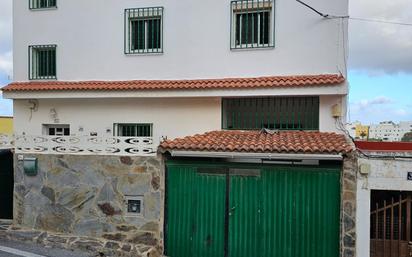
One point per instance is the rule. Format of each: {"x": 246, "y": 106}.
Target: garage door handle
{"x": 232, "y": 210}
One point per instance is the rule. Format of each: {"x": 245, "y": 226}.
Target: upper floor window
{"x": 133, "y": 129}
{"x": 42, "y": 62}
{"x": 144, "y": 30}
{"x": 42, "y": 4}
{"x": 283, "y": 113}
{"x": 252, "y": 24}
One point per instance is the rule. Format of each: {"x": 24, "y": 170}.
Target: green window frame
{"x": 42, "y": 62}
{"x": 133, "y": 129}
{"x": 143, "y": 30}
{"x": 42, "y": 4}
{"x": 281, "y": 113}
{"x": 252, "y": 24}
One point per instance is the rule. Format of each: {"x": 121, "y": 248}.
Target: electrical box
{"x": 364, "y": 169}
{"x": 336, "y": 111}
{"x": 30, "y": 166}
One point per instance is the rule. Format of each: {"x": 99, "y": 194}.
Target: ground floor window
{"x": 133, "y": 129}
{"x": 56, "y": 129}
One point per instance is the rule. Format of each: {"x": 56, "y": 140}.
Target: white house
{"x": 99, "y": 85}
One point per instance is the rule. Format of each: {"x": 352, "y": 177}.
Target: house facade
{"x": 184, "y": 128}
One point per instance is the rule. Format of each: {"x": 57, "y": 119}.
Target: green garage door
{"x": 243, "y": 211}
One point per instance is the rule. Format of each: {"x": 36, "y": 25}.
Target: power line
{"x": 381, "y": 21}
{"x": 329, "y": 16}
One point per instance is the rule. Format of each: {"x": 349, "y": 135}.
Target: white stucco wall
{"x": 384, "y": 175}
{"x": 170, "y": 117}
{"x": 90, "y": 39}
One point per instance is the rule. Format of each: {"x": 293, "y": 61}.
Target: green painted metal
{"x": 252, "y": 24}
{"x": 300, "y": 212}
{"x": 245, "y": 230}
{"x": 285, "y": 113}
{"x": 42, "y": 4}
{"x": 281, "y": 211}
{"x": 195, "y": 213}
{"x": 143, "y": 30}
{"x": 42, "y": 62}
{"x": 133, "y": 129}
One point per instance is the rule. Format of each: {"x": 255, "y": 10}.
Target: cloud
{"x": 377, "y": 109}
{"x": 378, "y": 48}
{"x": 6, "y": 64}
{"x": 380, "y": 100}
{"x": 5, "y": 25}
{"x": 6, "y": 106}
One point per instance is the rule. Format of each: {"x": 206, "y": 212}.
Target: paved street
{"x": 17, "y": 249}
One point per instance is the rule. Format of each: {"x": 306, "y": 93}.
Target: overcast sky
{"x": 380, "y": 60}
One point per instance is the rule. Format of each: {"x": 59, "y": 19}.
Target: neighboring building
{"x": 357, "y": 130}
{"x": 184, "y": 129}
{"x": 6, "y": 125}
{"x": 389, "y": 131}
{"x": 384, "y": 199}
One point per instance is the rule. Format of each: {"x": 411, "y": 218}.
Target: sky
{"x": 380, "y": 60}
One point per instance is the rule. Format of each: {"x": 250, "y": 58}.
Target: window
{"x": 56, "y": 130}
{"x": 283, "y": 113}
{"x": 42, "y": 4}
{"x": 144, "y": 30}
{"x": 134, "y": 205}
{"x": 252, "y": 24}
{"x": 133, "y": 130}
{"x": 42, "y": 62}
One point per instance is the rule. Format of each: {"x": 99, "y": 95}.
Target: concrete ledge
{"x": 94, "y": 246}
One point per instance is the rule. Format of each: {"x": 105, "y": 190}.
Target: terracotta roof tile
{"x": 227, "y": 83}
{"x": 261, "y": 142}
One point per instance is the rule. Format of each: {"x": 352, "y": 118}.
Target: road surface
{"x": 18, "y": 249}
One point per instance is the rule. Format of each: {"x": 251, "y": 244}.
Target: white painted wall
{"x": 171, "y": 117}
{"x": 90, "y": 39}
{"x": 385, "y": 175}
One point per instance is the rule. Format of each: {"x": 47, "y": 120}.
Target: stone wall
{"x": 348, "y": 216}
{"x": 86, "y": 196}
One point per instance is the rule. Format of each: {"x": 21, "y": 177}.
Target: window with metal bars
{"x": 252, "y": 24}
{"x": 42, "y": 62}
{"x": 42, "y": 4}
{"x": 283, "y": 113}
{"x": 133, "y": 130}
{"x": 56, "y": 130}
{"x": 144, "y": 30}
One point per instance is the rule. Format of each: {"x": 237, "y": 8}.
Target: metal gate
{"x": 243, "y": 211}
{"x": 6, "y": 184}
{"x": 390, "y": 224}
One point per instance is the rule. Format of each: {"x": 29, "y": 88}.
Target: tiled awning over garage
{"x": 298, "y": 142}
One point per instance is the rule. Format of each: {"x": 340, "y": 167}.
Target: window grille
{"x": 42, "y": 4}
{"x": 42, "y": 62}
{"x": 144, "y": 30}
{"x": 283, "y": 113}
{"x": 134, "y": 130}
{"x": 252, "y": 24}
{"x": 56, "y": 130}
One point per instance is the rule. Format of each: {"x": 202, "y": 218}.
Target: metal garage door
{"x": 243, "y": 211}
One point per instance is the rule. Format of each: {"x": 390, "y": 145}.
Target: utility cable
{"x": 329, "y": 16}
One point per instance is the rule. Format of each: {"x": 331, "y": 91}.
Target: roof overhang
{"x": 326, "y": 84}
{"x": 259, "y": 156}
